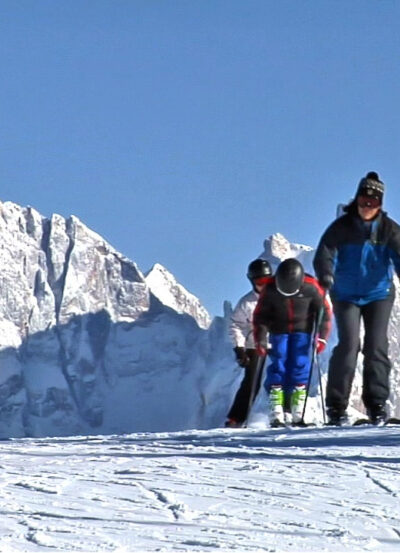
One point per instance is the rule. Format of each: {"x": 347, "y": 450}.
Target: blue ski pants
{"x": 290, "y": 360}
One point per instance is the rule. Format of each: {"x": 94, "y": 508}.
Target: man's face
{"x": 259, "y": 284}
{"x": 368, "y": 207}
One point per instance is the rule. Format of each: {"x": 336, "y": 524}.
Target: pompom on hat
{"x": 371, "y": 186}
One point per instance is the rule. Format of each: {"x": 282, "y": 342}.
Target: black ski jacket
{"x": 280, "y": 314}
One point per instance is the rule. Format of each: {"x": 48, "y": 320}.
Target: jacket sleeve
{"x": 326, "y": 322}
{"x": 240, "y": 327}
{"x": 260, "y": 322}
{"x": 394, "y": 246}
{"x": 325, "y": 255}
{"x": 323, "y": 312}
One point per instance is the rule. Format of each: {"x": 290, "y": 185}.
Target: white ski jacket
{"x": 241, "y": 325}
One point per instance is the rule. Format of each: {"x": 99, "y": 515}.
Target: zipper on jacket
{"x": 291, "y": 315}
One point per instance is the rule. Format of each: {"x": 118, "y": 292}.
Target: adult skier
{"x": 241, "y": 334}
{"x": 288, "y": 309}
{"x": 355, "y": 260}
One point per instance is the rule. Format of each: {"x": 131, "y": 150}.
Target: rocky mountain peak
{"x": 165, "y": 287}
{"x": 84, "y": 334}
{"x": 277, "y": 248}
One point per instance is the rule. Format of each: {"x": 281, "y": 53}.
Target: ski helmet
{"x": 258, "y": 268}
{"x": 289, "y": 277}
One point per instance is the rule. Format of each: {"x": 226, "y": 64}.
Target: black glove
{"x": 326, "y": 281}
{"x": 241, "y": 356}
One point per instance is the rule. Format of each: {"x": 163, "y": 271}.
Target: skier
{"x": 241, "y": 334}
{"x": 354, "y": 260}
{"x": 288, "y": 308}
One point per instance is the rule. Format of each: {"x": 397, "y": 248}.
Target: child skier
{"x": 241, "y": 334}
{"x": 288, "y": 309}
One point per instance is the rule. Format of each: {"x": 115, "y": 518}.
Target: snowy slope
{"x": 334, "y": 490}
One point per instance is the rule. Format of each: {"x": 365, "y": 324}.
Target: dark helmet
{"x": 258, "y": 268}
{"x": 289, "y": 277}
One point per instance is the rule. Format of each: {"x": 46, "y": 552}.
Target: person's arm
{"x": 394, "y": 247}
{"x": 325, "y": 326}
{"x": 323, "y": 312}
{"x": 239, "y": 329}
{"x": 325, "y": 256}
{"x": 260, "y": 324}
{"x": 239, "y": 325}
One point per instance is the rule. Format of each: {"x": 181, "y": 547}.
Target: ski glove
{"x": 326, "y": 281}
{"x": 241, "y": 356}
{"x": 321, "y": 345}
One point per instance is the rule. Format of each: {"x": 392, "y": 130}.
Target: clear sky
{"x": 186, "y": 132}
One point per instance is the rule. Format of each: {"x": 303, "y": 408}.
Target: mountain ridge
{"x": 89, "y": 344}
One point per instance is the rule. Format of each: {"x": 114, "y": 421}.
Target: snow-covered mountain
{"x": 277, "y": 248}
{"x": 165, "y": 287}
{"x": 88, "y": 344}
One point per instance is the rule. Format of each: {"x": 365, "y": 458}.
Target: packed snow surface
{"x": 256, "y": 489}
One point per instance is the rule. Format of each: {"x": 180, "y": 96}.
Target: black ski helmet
{"x": 258, "y": 268}
{"x": 289, "y": 277}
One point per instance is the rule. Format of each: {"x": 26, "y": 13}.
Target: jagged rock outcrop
{"x": 83, "y": 339}
{"x": 165, "y": 287}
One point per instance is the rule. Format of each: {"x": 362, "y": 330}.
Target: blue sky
{"x": 186, "y": 132}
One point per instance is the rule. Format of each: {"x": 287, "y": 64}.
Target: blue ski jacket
{"x": 360, "y": 256}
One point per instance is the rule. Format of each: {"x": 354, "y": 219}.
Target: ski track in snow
{"x": 319, "y": 489}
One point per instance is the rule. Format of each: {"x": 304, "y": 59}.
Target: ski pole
{"x": 318, "y": 321}
{"x": 314, "y": 354}
{"x": 321, "y": 391}
{"x": 256, "y": 377}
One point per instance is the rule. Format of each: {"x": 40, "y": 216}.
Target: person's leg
{"x": 277, "y": 355}
{"x": 298, "y": 371}
{"x": 376, "y": 360}
{"x": 343, "y": 361}
{"x": 252, "y": 353}
{"x": 276, "y": 375}
{"x": 299, "y": 359}
{"x": 238, "y": 411}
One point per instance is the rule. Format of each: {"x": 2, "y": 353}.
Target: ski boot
{"x": 288, "y": 418}
{"x": 337, "y": 417}
{"x": 297, "y": 401}
{"x": 377, "y": 415}
{"x": 276, "y": 400}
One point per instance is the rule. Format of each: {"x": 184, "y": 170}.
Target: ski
{"x": 294, "y": 425}
{"x": 361, "y": 422}
{"x": 277, "y": 424}
{"x": 302, "y": 424}
{"x": 392, "y": 421}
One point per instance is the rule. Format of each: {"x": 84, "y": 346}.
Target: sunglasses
{"x": 366, "y": 201}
